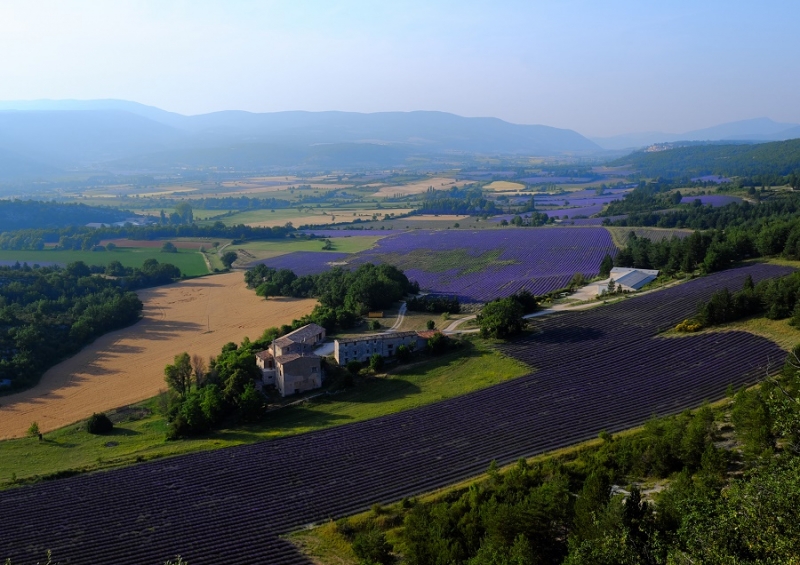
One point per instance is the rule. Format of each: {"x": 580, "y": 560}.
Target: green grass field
{"x": 253, "y": 250}
{"x": 189, "y": 262}
{"x": 142, "y": 436}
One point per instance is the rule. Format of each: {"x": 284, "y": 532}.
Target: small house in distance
{"x": 629, "y": 279}
{"x": 289, "y": 364}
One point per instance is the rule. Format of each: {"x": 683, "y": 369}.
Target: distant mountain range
{"x": 756, "y": 130}
{"x": 120, "y": 135}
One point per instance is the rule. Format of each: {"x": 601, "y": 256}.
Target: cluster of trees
{"x": 468, "y": 200}
{"x": 344, "y": 296}
{"x": 645, "y": 202}
{"x": 567, "y": 510}
{"x": 503, "y": 318}
{"x": 776, "y": 299}
{"x": 47, "y": 314}
{"x": 74, "y": 237}
{"x": 434, "y": 303}
{"x": 203, "y": 396}
{"x": 713, "y": 250}
{"x": 532, "y": 219}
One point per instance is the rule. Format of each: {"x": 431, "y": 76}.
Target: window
{"x": 313, "y": 369}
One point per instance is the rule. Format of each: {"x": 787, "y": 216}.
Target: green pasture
{"x": 189, "y": 262}
{"x": 141, "y": 433}
{"x": 253, "y": 250}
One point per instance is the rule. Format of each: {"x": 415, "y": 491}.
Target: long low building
{"x": 361, "y": 348}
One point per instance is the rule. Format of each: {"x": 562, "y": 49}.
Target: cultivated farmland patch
{"x": 127, "y": 366}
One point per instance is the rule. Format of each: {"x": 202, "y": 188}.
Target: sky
{"x": 601, "y": 68}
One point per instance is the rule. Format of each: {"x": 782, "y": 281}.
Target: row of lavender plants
{"x": 606, "y": 369}
{"x": 537, "y": 260}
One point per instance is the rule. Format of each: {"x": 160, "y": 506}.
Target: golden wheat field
{"x": 197, "y": 316}
{"x": 419, "y": 187}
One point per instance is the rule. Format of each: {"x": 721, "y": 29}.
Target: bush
{"x": 374, "y": 325}
{"x": 99, "y": 424}
{"x": 376, "y": 362}
{"x": 33, "y": 430}
{"x": 354, "y": 367}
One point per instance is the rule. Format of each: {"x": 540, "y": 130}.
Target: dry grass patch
{"x": 127, "y": 366}
{"x": 504, "y": 185}
{"x": 419, "y": 187}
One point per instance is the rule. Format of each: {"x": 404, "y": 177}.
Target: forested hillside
{"x": 778, "y": 158}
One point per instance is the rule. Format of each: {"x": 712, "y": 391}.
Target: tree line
{"x": 79, "y": 237}
{"x": 32, "y": 214}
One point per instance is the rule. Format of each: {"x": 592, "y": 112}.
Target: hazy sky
{"x": 600, "y": 67}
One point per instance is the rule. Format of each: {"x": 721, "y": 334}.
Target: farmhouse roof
{"x": 637, "y": 278}
{"x": 384, "y": 336}
{"x": 427, "y": 334}
{"x": 306, "y": 333}
{"x": 266, "y": 354}
{"x": 285, "y": 359}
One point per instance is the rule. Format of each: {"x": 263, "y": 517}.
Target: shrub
{"x": 33, "y": 430}
{"x": 376, "y": 362}
{"x": 689, "y": 326}
{"x": 99, "y": 424}
{"x": 354, "y": 367}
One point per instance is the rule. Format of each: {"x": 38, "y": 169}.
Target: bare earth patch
{"x": 127, "y": 366}
{"x": 419, "y": 187}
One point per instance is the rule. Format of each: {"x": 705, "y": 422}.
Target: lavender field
{"x": 304, "y": 262}
{"x": 478, "y": 266}
{"x": 602, "y": 369}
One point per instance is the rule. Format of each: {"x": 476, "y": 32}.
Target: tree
{"x": 251, "y": 404}
{"x": 228, "y": 258}
{"x": 199, "y": 370}
{"x": 169, "y": 247}
{"x": 376, "y": 362}
{"x": 612, "y": 286}
{"x": 33, "y": 429}
{"x": 606, "y": 265}
{"x": 179, "y": 375}
{"x": 430, "y": 324}
{"x": 99, "y": 424}
{"x": 501, "y": 318}
{"x": 403, "y": 353}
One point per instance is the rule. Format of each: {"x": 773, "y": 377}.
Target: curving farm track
{"x": 598, "y": 369}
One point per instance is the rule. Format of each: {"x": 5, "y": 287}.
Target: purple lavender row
{"x": 147, "y": 513}
{"x": 304, "y": 262}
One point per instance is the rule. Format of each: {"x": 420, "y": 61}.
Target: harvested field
{"x": 438, "y": 183}
{"x": 127, "y": 366}
{"x": 503, "y": 185}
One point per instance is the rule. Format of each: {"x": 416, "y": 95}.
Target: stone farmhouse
{"x": 289, "y": 364}
{"x": 363, "y": 347}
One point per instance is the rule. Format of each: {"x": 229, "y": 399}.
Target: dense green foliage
{"x": 501, "y": 318}
{"x": 715, "y": 249}
{"x": 776, "y": 299}
{"x": 643, "y": 202}
{"x": 434, "y": 304}
{"x": 570, "y": 510}
{"x": 31, "y": 214}
{"x": 776, "y": 158}
{"x": 202, "y": 398}
{"x": 47, "y": 314}
{"x": 467, "y": 200}
{"x": 343, "y": 295}
{"x": 99, "y": 424}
